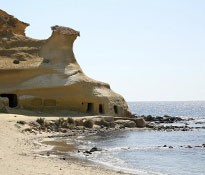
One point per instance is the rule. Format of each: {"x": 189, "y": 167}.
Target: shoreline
{"x": 19, "y": 152}
{"x": 25, "y": 150}
{"x": 68, "y": 148}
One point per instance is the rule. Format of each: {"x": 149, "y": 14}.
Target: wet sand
{"x": 20, "y": 153}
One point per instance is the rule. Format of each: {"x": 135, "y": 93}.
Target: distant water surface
{"x": 160, "y": 108}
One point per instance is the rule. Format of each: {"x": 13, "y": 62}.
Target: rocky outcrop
{"x": 9, "y": 24}
{"x": 140, "y": 122}
{"x": 126, "y": 123}
{"x": 43, "y": 75}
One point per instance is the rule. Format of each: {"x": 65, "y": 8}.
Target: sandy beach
{"x": 19, "y": 153}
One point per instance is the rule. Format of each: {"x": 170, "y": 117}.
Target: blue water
{"x": 142, "y": 152}
{"x": 178, "y": 108}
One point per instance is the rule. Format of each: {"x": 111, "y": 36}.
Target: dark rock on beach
{"x": 140, "y": 122}
{"x": 126, "y": 123}
{"x": 188, "y": 146}
{"x": 87, "y": 152}
{"x": 164, "y": 119}
{"x": 95, "y": 149}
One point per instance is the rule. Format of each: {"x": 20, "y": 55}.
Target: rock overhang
{"x": 47, "y": 72}
{"x": 65, "y": 30}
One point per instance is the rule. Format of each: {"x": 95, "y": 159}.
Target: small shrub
{"x": 3, "y": 110}
{"x": 88, "y": 123}
{"x": 41, "y": 121}
{"x": 101, "y": 122}
{"x": 104, "y": 123}
{"x": 18, "y": 126}
{"x": 61, "y": 123}
{"x": 21, "y": 122}
{"x": 78, "y": 122}
{"x": 70, "y": 120}
{"x": 58, "y": 122}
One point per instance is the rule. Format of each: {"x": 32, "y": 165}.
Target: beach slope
{"x": 19, "y": 153}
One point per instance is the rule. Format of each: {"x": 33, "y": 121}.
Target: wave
{"x": 109, "y": 160}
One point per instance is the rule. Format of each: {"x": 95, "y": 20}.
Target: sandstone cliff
{"x": 43, "y": 75}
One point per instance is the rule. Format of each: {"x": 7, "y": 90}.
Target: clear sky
{"x": 147, "y": 50}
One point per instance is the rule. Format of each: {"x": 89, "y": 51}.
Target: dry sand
{"x": 18, "y": 153}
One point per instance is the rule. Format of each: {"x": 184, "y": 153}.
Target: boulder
{"x": 125, "y": 118}
{"x": 88, "y": 123}
{"x": 149, "y": 118}
{"x": 100, "y": 122}
{"x": 79, "y": 122}
{"x": 150, "y": 125}
{"x": 108, "y": 118}
{"x": 95, "y": 149}
{"x": 97, "y": 121}
{"x": 140, "y": 122}
{"x": 34, "y": 124}
{"x": 87, "y": 152}
{"x": 80, "y": 127}
{"x": 126, "y": 123}
{"x": 112, "y": 124}
{"x": 96, "y": 126}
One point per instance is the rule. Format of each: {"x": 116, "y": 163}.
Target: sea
{"x": 142, "y": 152}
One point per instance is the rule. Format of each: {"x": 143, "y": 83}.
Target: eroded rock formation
{"x": 43, "y": 75}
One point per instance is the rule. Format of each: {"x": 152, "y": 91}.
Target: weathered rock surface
{"x": 10, "y": 24}
{"x": 43, "y": 75}
{"x": 140, "y": 122}
{"x": 164, "y": 119}
{"x": 126, "y": 123}
{"x": 107, "y": 118}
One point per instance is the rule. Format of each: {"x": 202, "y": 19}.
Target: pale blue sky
{"x": 145, "y": 49}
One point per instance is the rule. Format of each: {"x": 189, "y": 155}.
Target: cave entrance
{"x": 90, "y": 107}
{"x": 101, "y": 109}
{"x": 13, "y": 101}
{"x": 116, "y": 109}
